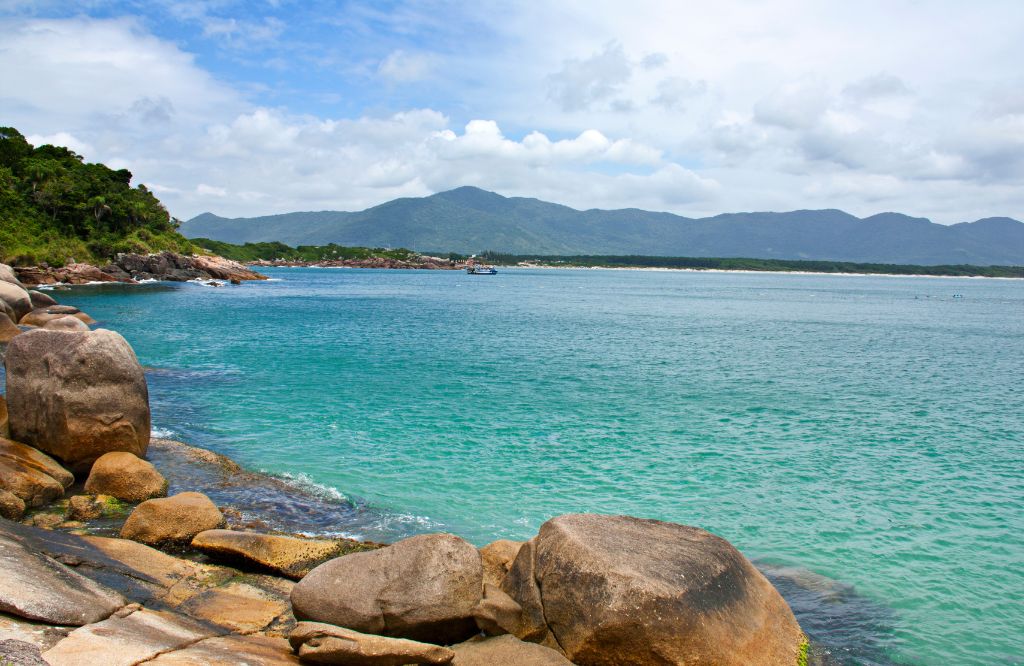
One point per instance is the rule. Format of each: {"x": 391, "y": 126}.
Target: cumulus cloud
{"x": 581, "y": 83}
{"x": 403, "y": 67}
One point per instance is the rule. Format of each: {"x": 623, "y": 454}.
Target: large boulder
{"x": 423, "y": 588}
{"x": 231, "y": 650}
{"x": 32, "y": 476}
{"x": 42, "y": 316}
{"x": 36, "y": 587}
{"x": 77, "y": 395}
{"x": 287, "y": 556}
{"x": 8, "y": 275}
{"x": 318, "y": 643}
{"x": 617, "y": 589}
{"x": 172, "y": 521}
{"x": 4, "y": 430}
{"x": 26, "y": 456}
{"x": 125, "y": 476}
{"x": 12, "y": 507}
{"x": 16, "y": 297}
{"x": 506, "y": 650}
{"x": 40, "y": 300}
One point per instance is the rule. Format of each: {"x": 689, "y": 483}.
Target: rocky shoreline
{"x": 110, "y": 555}
{"x": 421, "y": 263}
{"x": 134, "y": 268}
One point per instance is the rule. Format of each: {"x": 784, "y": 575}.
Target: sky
{"x": 697, "y": 108}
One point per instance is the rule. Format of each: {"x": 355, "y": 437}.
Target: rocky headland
{"x": 422, "y": 262}
{"x": 132, "y": 268}
{"x": 109, "y": 554}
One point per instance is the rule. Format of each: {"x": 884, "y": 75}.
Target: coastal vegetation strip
{"x": 749, "y": 264}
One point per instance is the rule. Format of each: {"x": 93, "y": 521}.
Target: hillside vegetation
{"x": 55, "y": 207}
{"x": 274, "y": 251}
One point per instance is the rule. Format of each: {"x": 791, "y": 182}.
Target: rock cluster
{"x": 421, "y": 263}
{"x": 134, "y": 267}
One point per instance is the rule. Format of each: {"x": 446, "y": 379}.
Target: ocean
{"x": 860, "y": 438}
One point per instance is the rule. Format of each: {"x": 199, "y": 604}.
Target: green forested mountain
{"x": 469, "y": 220}
{"x": 55, "y": 207}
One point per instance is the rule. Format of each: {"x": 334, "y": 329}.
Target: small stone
{"x": 11, "y": 506}
{"x": 172, "y": 521}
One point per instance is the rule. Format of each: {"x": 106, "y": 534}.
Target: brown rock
{"x": 37, "y": 460}
{"x": 91, "y": 507}
{"x": 129, "y": 640}
{"x": 66, "y": 323}
{"x": 12, "y": 507}
{"x": 4, "y": 428}
{"x": 46, "y": 520}
{"x": 36, "y": 587}
{"x": 42, "y": 635}
{"x": 16, "y": 297}
{"x": 77, "y": 395}
{"x": 20, "y": 653}
{"x": 498, "y": 614}
{"x": 172, "y": 521}
{"x": 225, "y": 269}
{"x": 33, "y": 487}
{"x": 421, "y": 588}
{"x": 40, "y": 300}
{"x": 125, "y": 476}
{"x": 497, "y": 558}
{"x": 7, "y": 274}
{"x": 240, "y": 607}
{"x": 617, "y": 589}
{"x": 288, "y": 556}
{"x": 318, "y": 643}
{"x": 506, "y": 650}
{"x": 254, "y": 650}
{"x": 8, "y": 329}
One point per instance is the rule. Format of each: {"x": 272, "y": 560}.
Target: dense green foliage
{"x": 274, "y": 250}
{"x": 55, "y": 207}
{"x": 733, "y": 264}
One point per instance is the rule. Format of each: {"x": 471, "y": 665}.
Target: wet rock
{"x": 16, "y": 298}
{"x": 125, "y": 476}
{"x": 172, "y": 521}
{"x": 8, "y": 329}
{"x": 40, "y": 300}
{"x": 35, "y": 459}
{"x": 20, "y": 653}
{"x": 506, "y": 650}
{"x": 77, "y": 395}
{"x": 33, "y": 487}
{"x": 617, "y": 589}
{"x": 66, "y": 323}
{"x": 45, "y": 520}
{"x": 12, "y": 507}
{"x": 497, "y": 558}
{"x": 253, "y": 650}
{"x": 91, "y": 507}
{"x": 129, "y": 640}
{"x": 319, "y": 643}
{"x": 421, "y": 588}
{"x": 36, "y": 587}
{"x": 287, "y": 556}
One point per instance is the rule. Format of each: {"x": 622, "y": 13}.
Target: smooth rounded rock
{"x": 40, "y": 300}
{"x": 125, "y": 476}
{"x": 423, "y": 588}
{"x": 497, "y": 558}
{"x": 8, "y": 275}
{"x": 65, "y": 323}
{"x": 4, "y": 429}
{"x": 77, "y": 395}
{"x": 318, "y": 643}
{"x": 617, "y": 589}
{"x": 27, "y": 456}
{"x": 16, "y": 297}
{"x": 172, "y": 521}
{"x": 8, "y": 329}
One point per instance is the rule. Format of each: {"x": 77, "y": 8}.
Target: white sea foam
{"x": 308, "y": 484}
{"x": 162, "y": 433}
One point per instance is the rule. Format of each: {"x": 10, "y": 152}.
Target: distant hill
{"x": 468, "y": 220}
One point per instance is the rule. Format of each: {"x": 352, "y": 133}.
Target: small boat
{"x": 474, "y": 268}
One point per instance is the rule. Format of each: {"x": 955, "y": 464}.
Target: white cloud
{"x": 61, "y": 139}
{"x": 404, "y": 67}
{"x": 582, "y": 82}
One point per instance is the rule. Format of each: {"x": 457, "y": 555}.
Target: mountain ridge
{"x": 469, "y": 220}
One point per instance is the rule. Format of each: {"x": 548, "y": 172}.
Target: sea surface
{"x": 860, "y": 438}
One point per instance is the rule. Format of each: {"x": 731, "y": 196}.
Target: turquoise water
{"x": 866, "y": 430}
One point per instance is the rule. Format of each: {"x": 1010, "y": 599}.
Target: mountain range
{"x": 469, "y": 220}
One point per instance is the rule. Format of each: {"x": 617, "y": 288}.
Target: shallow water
{"x": 861, "y": 435}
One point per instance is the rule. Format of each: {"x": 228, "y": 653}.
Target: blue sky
{"x": 245, "y": 108}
